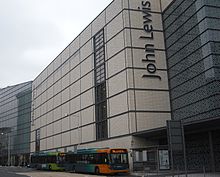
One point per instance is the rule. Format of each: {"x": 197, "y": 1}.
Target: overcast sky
{"x": 34, "y": 32}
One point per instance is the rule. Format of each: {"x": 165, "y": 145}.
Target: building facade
{"x": 108, "y": 85}
{"x": 15, "y": 127}
{"x": 139, "y": 64}
{"x": 192, "y": 35}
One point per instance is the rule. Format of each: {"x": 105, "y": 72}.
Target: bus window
{"x": 91, "y": 159}
{"x": 102, "y": 158}
{"x": 60, "y": 159}
{"x": 119, "y": 158}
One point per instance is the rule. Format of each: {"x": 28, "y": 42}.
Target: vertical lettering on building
{"x": 149, "y": 58}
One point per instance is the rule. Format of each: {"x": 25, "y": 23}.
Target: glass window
{"x": 100, "y": 90}
{"x": 119, "y": 158}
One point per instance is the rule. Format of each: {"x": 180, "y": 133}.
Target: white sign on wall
{"x": 164, "y": 160}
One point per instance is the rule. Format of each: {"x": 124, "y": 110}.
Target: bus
{"x": 98, "y": 161}
{"x": 48, "y": 161}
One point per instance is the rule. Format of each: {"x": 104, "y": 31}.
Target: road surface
{"x": 11, "y": 172}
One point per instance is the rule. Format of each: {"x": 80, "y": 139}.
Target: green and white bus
{"x": 48, "y": 161}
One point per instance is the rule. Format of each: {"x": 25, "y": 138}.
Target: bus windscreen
{"x": 116, "y": 158}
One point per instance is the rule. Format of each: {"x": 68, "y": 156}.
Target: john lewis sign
{"x": 148, "y": 28}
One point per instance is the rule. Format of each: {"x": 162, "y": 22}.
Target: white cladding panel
{"x": 43, "y": 132}
{"x": 88, "y": 115}
{"x": 87, "y": 65}
{"x": 74, "y": 60}
{"x": 146, "y": 120}
{"x": 85, "y": 35}
{"x": 75, "y": 74}
{"x": 117, "y": 83}
{"x": 158, "y": 40}
{"x": 155, "y": 5}
{"x": 74, "y": 45}
{"x": 144, "y": 83}
{"x": 50, "y": 92}
{"x": 88, "y": 133}
{"x": 57, "y": 113}
{"x": 75, "y": 89}
{"x": 74, "y": 135}
{"x": 152, "y": 101}
{"x": 50, "y": 142}
{"x": 58, "y": 126}
{"x": 49, "y": 117}
{"x": 65, "y": 67}
{"x": 65, "y": 139}
{"x": 118, "y": 104}
{"x": 75, "y": 104}
{"x": 115, "y": 45}
{"x": 86, "y": 50}
{"x": 75, "y": 121}
{"x": 87, "y": 82}
{"x": 137, "y": 20}
{"x": 160, "y": 58}
{"x": 87, "y": 99}
{"x": 116, "y": 63}
{"x": 57, "y": 140}
{"x": 65, "y": 81}
{"x": 114, "y": 26}
{"x": 119, "y": 125}
{"x": 65, "y": 95}
{"x": 43, "y": 144}
{"x": 65, "y": 124}
{"x": 50, "y": 129}
{"x": 43, "y": 108}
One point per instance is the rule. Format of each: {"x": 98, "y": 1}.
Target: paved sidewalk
{"x": 139, "y": 174}
{"x": 56, "y": 174}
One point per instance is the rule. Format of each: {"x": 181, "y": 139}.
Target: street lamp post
{"x": 9, "y": 152}
{"x": 2, "y": 146}
{"x": 1, "y": 149}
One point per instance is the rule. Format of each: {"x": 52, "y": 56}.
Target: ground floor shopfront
{"x": 149, "y": 151}
{"x": 202, "y": 149}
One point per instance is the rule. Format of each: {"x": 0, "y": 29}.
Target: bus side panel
{"x": 52, "y": 167}
{"x": 104, "y": 169}
{"x": 85, "y": 168}
{"x": 70, "y": 167}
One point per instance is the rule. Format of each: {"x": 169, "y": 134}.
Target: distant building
{"x": 15, "y": 116}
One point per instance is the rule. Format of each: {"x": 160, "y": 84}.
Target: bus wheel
{"x": 50, "y": 167}
{"x": 97, "y": 170}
